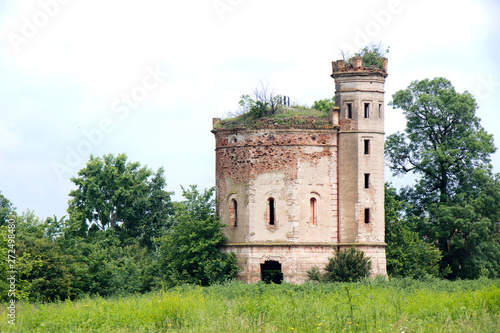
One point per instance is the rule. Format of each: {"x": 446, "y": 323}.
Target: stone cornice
{"x": 301, "y": 244}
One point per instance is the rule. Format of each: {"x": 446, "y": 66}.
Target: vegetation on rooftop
{"x": 373, "y": 55}
{"x": 264, "y": 108}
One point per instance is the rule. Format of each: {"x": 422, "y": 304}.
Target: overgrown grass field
{"x": 399, "y": 305}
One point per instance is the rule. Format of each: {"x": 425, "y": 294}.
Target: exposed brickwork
{"x": 347, "y": 124}
{"x": 243, "y": 155}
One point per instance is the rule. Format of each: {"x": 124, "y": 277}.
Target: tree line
{"x": 123, "y": 233}
{"x": 447, "y": 223}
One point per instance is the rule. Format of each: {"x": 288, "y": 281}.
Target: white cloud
{"x": 65, "y": 80}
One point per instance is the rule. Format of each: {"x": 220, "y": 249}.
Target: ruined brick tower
{"x": 295, "y": 191}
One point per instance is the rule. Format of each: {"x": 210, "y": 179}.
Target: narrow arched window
{"x": 272, "y": 212}
{"x": 314, "y": 217}
{"x": 233, "y": 213}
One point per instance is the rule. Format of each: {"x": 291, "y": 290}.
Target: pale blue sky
{"x": 146, "y": 77}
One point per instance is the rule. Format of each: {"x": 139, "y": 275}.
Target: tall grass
{"x": 401, "y": 305}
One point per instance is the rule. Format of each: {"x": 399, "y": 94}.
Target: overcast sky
{"x": 146, "y": 77}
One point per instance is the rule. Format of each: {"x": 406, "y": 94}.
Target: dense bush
{"x": 348, "y": 265}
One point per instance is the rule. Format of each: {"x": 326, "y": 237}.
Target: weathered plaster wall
{"x": 359, "y": 89}
{"x": 291, "y": 166}
{"x": 296, "y": 260}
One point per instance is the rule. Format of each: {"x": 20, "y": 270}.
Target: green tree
{"x": 444, "y": 142}
{"x": 6, "y": 209}
{"x": 40, "y": 265}
{"x": 113, "y": 193}
{"x": 455, "y": 194}
{"x": 189, "y": 251}
{"x": 23, "y": 265}
{"x": 468, "y": 240}
{"x": 51, "y": 279}
{"x": 324, "y": 104}
{"x": 407, "y": 254}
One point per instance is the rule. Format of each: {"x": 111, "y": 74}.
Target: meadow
{"x": 398, "y": 305}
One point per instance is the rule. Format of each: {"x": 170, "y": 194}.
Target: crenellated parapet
{"x": 356, "y": 68}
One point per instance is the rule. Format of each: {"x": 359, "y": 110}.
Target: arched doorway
{"x": 270, "y": 272}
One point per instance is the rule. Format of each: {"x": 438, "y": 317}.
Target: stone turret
{"x": 359, "y": 93}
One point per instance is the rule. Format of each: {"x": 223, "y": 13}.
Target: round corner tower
{"x": 293, "y": 192}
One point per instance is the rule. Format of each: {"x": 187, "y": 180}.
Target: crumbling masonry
{"x": 293, "y": 195}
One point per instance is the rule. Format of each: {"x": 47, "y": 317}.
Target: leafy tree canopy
{"x": 6, "y": 209}
{"x": 189, "y": 251}
{"x": 444, "y": 141}
{"x": 113, "y": 193}
{"x": 407, "y": 253}
{"x": 324, "y": 104}
{"x": 455, "y": 201}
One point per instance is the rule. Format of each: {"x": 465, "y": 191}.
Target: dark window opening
{"x": 313, "y": 219}
{"x": 367, "y": 110}
{"x": 380, "y": 111}
{"x": 367, "y": 180}
{"x": 367, "y": 215}
{"x": 233, "y": 213}
{"x": 270, "y": 272}
{"x": 272, "y": 213}
{"x": 367, "y": 147}
{"x": 349, "y": 110}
